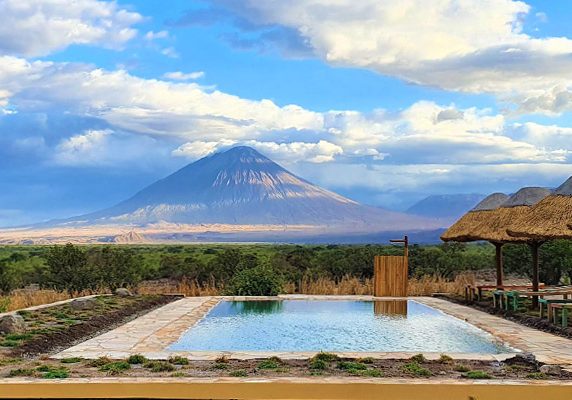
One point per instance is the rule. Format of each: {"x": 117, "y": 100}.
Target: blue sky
{"x": 385, "y": 102}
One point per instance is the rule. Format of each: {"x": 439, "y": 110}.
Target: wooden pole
{"x": 535, "y": 246}
{"x": 499, "y": 265}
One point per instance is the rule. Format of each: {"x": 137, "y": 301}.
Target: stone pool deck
{"x": 152, "y": 334}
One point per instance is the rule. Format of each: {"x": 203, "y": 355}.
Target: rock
{"x": 551, "y": 369}
{"x": 83, "y": 304}
{"x": 12, "y": 324}
{"x": 123, "y": 292}
{"x": 527, "y": 357}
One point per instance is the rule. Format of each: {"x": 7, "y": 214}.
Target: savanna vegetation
{"x": 61, "y": 271}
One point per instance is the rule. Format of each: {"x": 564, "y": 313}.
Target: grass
{"x": 49, "y": 372}
{"x": 445, "y": 359}
{"x": 477, "y": 375}
{"x": 413, "y": 368}
{"x": 238, "y": 373}
{"x": 115, "y": 368}
{"x": 100, "y": 362}
{"x": 10, "y": 343}
{"x": 317, "y": 364}
{"x": 18, "y": 336}
{"x": 537, "y": 376}
{"x": 418, "y": 358}
{"x": 351, "y": 366}
{"x": 137, "y": 359}
{"x": 21, "y": 372}
{"x": 270, "y": 363}
{"x": 461, "y": 368}
{"x": 159, "y": 366}
{"x": 71, "y": 360}
{"x": 178, "y": 360}
{"x": 326, "y": 357}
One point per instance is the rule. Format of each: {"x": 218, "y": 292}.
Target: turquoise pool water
{"x": 333, "y": 325}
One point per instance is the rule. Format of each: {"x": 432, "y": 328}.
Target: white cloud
{"x": 319, "y": 152}
{"x": 182, "y": 76}
{"x": 40, "y": 27}
{"x": 151, "y": 35}
{"x": 170, "y": 52}
{"x": 468, "y": 46}
{"x": 193, "y": 121}
{"x": 84, "y": 149}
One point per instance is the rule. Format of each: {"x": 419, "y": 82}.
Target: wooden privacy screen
{"x": 390, "y": 276}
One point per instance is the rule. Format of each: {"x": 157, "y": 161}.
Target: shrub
{"x": 178, "y": 360}
{"x": 445, "y": 359}
{"x": 137, "y": 359}
{"x": 366, "y": 360}
{"x": 18, "y": 336}
{"x": 218, "y": 365}
{"x": 418, "y": 358}
{"x": 326, "y": 357}
{"x": 317, "y": 364}
{"x": 10, "y": 343}
{"x": 269, "y": 364}
{"x": 415, "y": 369}
{"x": 537, "y": 375}
{"x": 115, "y": 368}
{"x": 21, "y": 372}
{"x": 374, "y": 373}
{"x": 159, "y": 366}
{"x": 61, "y": 373}
{"x": 349, "y": 365}
{"x": 461, "y": 368}
{"x": 238, "y": 373}
{"x": 257, "y": 281}
{"x": 71, "y": 360}
{"x": 101, "y": 361}
{"x": 477, "y": 375}
{"x": 222, "y": 359}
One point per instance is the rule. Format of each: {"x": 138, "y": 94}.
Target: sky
{"x": 384, "y": 102}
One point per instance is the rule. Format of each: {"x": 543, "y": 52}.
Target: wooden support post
{"x": 499, "y": 265}
{"x": 535, "y": 247}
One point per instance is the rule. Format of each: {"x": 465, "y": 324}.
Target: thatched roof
{"x": 493, "y": 227}
{"x": 461, "y": 231}
{"x": 548, "y": 219}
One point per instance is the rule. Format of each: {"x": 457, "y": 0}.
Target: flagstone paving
{"x": 153, "y": 333}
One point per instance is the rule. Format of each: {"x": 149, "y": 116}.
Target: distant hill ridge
{"x": 448, "y": 207}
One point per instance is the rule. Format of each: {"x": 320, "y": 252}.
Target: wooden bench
{"x": 565, "y": 308}
{"x": 472, "y": 291}
{"x": 545, "y": 303}
{"x": 515, "y": 295}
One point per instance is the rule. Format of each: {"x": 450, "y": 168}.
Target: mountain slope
{"x": 241, "y": 186}
{"x": 445, "y": 207}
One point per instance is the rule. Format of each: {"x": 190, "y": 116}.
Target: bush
{"x": 115, "y": 368}
{"x": 326, "y": 357}
{"x": 415, "y": 369}
{"x": 21, "y": 372}
{"x": 418, "y": 358}
{"x": 137, "y": 359}
{"x": 269, "y": 364}
{"x": 477, "y": 375}
{"x": 159, "y": 366}
{"x": 257, "y": 281}
{"x": 71, "y": 360}
{"x": 177, "y": 360}
{"x": 238, "y": 373}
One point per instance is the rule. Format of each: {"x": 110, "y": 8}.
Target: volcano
{"x": 242, "y": 186}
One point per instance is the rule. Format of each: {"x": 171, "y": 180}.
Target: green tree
{"x": 68, "y": 269}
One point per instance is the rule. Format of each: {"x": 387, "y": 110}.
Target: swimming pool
{"x": 334, "y": 325}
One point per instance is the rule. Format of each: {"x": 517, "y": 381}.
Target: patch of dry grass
{"x": 29, "y": 298}
{"x": 424, "y": 286}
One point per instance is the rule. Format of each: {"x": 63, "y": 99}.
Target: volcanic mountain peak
{"x": 241, "y": 186}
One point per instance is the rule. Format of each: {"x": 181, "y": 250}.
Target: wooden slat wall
{"x": 390, "y": 276}
{"x": 390, "y": 308}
